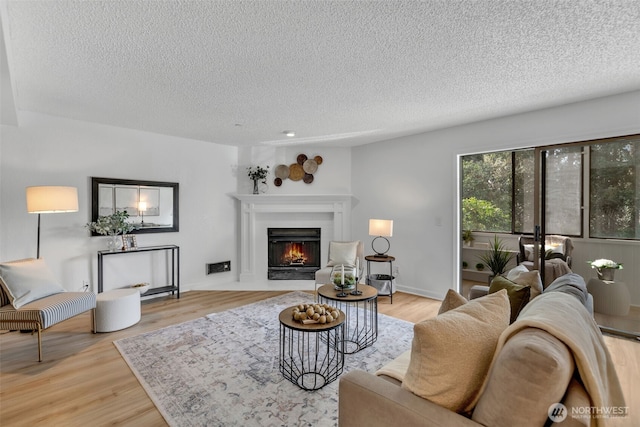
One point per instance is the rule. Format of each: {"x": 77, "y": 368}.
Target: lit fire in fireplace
{"x": 294, "y": 254}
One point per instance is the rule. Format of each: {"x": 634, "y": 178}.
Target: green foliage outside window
{"x": 486, "y": 192}
{"x": 615, "y": 190}
{"x": 497, "y": 190}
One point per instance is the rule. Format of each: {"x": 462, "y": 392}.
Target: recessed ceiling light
{"x": 289, "y": 133}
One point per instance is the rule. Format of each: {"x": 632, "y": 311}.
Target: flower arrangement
{"x": 605, "y": 263}
{"x": 111, "y": 225}
{"x": 258, "y": 173}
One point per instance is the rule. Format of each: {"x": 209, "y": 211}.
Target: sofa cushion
{"x": 27, "y": 280}
{"x": 522, "y": 276}
{"x": 531, "y": 372}
{"x": 451, "y": 300}
{"x": 451, "y": 353}
{"x": 343, "y": 253}
{"x": 518, "y": 294}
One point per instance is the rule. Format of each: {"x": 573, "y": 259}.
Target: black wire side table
{"x": 309, "y": 357}
{"x": 361, "y": 326}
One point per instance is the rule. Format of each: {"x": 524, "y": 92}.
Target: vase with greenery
{"x": 112, "y": 226}
{"x": 257, "y": 174}
{"x": 480, "y": 266}
{"x": 467, "y": 237}
{"x": 605, "y": 268}
{"x": 497, "y": 257}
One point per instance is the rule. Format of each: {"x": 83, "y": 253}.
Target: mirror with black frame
{"x": 152, "y": 205}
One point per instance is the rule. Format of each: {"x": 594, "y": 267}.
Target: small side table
{"x": 384, "y": 258}
{"x": 311, "y": 356}
{"x": 361, "y": 326}
{"x": 609, "y": 297}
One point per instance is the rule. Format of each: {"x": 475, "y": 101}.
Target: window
{"x": 497, "y": 190}
{"x": 615, "y": 189}
{"x": 487, "y": 192}
{"x": 523, "y": 191}
{"x": 563, "y": 195}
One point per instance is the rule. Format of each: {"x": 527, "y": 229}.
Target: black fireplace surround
{"x": 294, "y": 253}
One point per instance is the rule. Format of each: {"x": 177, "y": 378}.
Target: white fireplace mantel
{"x": 290, "y": 206}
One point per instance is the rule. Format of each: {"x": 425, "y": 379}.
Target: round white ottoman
{"x": 117, "y": 309}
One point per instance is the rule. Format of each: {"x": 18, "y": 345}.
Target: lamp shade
{"x": 381, "y": 227}
{"x": 52, "y": 199}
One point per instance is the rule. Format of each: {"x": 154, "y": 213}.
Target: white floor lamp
{"x": 51, "y": 199}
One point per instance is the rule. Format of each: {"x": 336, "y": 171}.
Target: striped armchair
{"x": 44, "y": 312}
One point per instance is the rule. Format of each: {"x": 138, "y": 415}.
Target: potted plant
{"x": 111, "y": 225}
{"x": 497, "y": 257}
{"x": 467, "y": 237}
{"x": 605, "y": 268}
{"x": 480, "y": 266}
{"x": 257, "y": 173}
{"x": 465, "y": 264}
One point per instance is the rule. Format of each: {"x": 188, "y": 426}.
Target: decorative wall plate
{"x": 296, "y": 172}
{"x": 282, "y": 171}
{"x": 310, "y": 166}
{"x": 301, "y": 158}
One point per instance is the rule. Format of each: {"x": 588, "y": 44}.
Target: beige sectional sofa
{"x": 553, "y": 353}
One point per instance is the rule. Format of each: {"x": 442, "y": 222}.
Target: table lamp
{"x": 142, "y": 206}
{"x": 51, "y": 199}
{"x": 381, "y": 228}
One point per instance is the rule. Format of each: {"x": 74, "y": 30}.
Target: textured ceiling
{"x": 335, "y": 72}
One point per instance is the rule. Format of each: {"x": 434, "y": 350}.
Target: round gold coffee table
{"x": 312, "y": 355}
{"x": 361, "y": 325}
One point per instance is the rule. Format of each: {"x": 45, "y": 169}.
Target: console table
{"x": 173, "y": 287}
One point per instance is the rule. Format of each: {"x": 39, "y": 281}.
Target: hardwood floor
{"x": 83, "y": 380}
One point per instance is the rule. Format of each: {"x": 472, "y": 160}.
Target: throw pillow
{"x": 518, "y": 294}
{"x": 342, "y": 253}
{"x": 451, "y": 300}
{"x": 28, "y": 280}
{"x": 530, "y": 373}
{"x": 451, "y": 353}
{"x": 527, "y": 278}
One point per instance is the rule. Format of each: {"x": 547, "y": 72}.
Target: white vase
{"x": 114, "y": 243}
{"x": 606, "y": 274}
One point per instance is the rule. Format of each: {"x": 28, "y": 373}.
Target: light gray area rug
{"x": 222, "y": 369}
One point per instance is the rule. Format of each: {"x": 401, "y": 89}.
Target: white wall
{"x": 46, "y": 150}
{"x": 413, "y": 180}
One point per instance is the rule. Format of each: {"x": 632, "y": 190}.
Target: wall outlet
{"x": 219, "y": 267}
{"x": 85, "y": 286}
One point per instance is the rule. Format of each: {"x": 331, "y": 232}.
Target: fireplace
{"x": 293, "y": 253}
